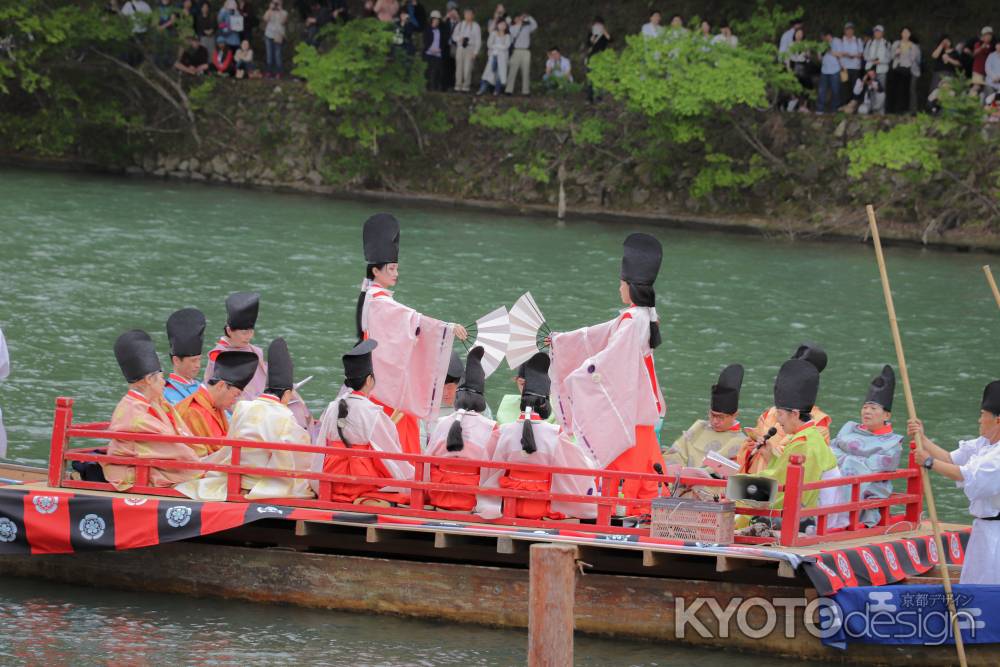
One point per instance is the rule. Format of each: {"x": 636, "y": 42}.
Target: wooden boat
{"x": 421, "y": 562}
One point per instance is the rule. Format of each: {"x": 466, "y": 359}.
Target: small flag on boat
{"x": 526, "y": 320}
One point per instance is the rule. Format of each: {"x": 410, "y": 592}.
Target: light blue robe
{"x": 861, "y": 452}
{"x": 176, "y": 390}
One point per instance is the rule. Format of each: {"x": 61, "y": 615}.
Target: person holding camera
{"x": 275, "y": 19}
{"x": 468, "y": 39}
{"x": 520, "y": 56}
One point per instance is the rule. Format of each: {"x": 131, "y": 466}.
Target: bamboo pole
{"x": 993, "y": 283}
{"x": 911, "y": 409}
{"x": 551, "y": 594}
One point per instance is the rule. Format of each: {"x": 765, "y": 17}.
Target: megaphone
{"x": 751, "y": 487}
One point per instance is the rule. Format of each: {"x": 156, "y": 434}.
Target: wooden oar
{"x": 993, "y": 283}
{"x": 924, "y": 473}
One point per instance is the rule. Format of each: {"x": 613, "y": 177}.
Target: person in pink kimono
{"x": 533, "y": 441}
{"x": 464, "y": 434}
{"x": 414, "y": 351}
{"x": 603, "y": 380}
{"x": 144, "y": 410}
{"x": 353, "y": 421}
{"x": 241, "y": 319}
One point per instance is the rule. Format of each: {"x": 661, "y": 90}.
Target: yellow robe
{"x": 695, "y": 443}
{"x": 819, "y": 459}
{"x": 777, "y": 442}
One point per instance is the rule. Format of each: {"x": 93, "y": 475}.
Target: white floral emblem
{"x": 911, "y": 549}
{"x": 270, "y": 509}
{"x": 890, "y": 556}
{"x": 178, "y": 516}
{"x": 92, "y": 527}
{"x": 45, "y": 504}
{"x": 8, "y": 530}
{"x": 843, "y": 566}
{"x": 932, "y": 550}
{"x": 870, "y": 560}
{"x": 956, "y": 548}
{"x": 133, "y": 502}
{"x": 826, "y": 569}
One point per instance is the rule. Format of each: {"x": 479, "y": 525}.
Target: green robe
{"x": 510, "y": 408}
{"x": 810, "y": 443}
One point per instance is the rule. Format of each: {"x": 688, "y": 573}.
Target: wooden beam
{"x": 373, "y": 535}
{"x": 729, "y": 564}
{"x": 652, "y": 558}
{"x": 785, "y": 570}
{"x": 507, "y": 545}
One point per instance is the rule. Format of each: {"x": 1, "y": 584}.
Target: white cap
{"x": 878, "y": 28}
{"x": 986, "y": 29}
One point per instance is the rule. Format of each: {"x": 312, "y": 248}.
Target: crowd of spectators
{"x": 867, "y": 73}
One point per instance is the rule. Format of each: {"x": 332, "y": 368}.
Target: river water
{"x": 84, "y": 258}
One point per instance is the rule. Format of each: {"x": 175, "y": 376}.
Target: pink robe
{"x": 553, "y": 448}
{"x": 479, "y": 436}
{"x": 259, "y": 381}
{"x": 366, "y": 424}
{"x": 135, "y": 414}
{"x": 603, "y": 384}
{"x": 412, "y": 356}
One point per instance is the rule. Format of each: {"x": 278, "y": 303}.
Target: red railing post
{"x": 792, "y": 504}
{"x": 855, "y": 514}
{"x": 234, "y": 480}
{"x": 914, "y": 486}
{"x": 63, "y": 420}
{"x": 417, "y": 495}
{"x": 609, "y": 489}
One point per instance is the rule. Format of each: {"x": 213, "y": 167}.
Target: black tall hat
{"x": 726, "y": 393}
{"x": 186, "y": 332}
{"x": 796, "y": 386}
{"x": 536, "y": 375}
{"x": 235, "y": 367}
{"x": 358, "y": 362}
{"x": 641, "y": 259}
{"x": 280, "y": 370}
{"x": 991, "y": 398}
{"x": 474, "y": 379}
{"x": 812, "y": 353}
{"x": 882, "y": 388}
{"x": 241, "y": 310}
{"x": 381, "y": 239}
{"x": 455, "y": 369}
{"x": 136, "y": 355}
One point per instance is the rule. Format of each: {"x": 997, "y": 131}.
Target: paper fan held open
{"x": 527, "y": 325}
{"x": 492, "y": 332}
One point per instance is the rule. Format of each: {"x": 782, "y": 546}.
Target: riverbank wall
{"x": 278, "y": 136}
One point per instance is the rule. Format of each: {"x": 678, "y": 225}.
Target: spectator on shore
{"x": 139, "y": 12}
{"x": 250, "y": 20}
{"x": 405, "y": 30}
{"x": 947, "y": 62}
{"x": 243, "y": 60}
{"x": 450, "y": 23}
{"x": 230, "y": 25}
{"x": 905, "y": 56}
{"x": 979, "y": 52}
{"x": 339, "y": 11}
{"x": 417, "y": 14}
{"x": 653, "y": 28}
{"x": 829, "y": 77}
{"x": 317, "y": 19}
{"x": 194, "y": 59}
{"x": 497, "y": 55}
{"x": 726, "y": 36}
{"x": 368, "y": 10}
{"x": 435, "y": 45}
{"x": 275, "y": 19}
{"x": 557, "y": 67}
{"x": 520, "y": 57}
{"x": 499, "y": 14}
{"x": 185, "y": 19}
{"x": 166, "y": 22}
{"x": 705, "y": 29}
{"x": 598, "y": 40}
{"x": 468, "y": 39}
{"x": 992, "y": 72}
{"x": 878, "y": 54}
{"x": 204, "y": 27}
{"x": 869, "y": 94}
{"x": 798, "y": 60}
{"x": 677, "y": 22}
{"x": 386, "y": 10}
{"x": 222, "y": 59}
{"x": 788, "y": 36}
{"x": 849, "y": 49}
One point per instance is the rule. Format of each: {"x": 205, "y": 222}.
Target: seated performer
{"x": 871, "y": 446}
{"x": 509, "y": 408}
{"x": 795, "y": 391}
{"x": 758, "y": 449}
{"x": 186, "y": 333}
{"x": 266, "y": 418}
{"x": 720, "y": 433}
{"x": 975, "y": 467}
{"x": 205, "y": 410}
{"x": 603, "y": 379}
{"x": 414, "y": 351}
{"x": 353, "y": 421}
{"x": 143, "y": 410}
{"x": 451, "y": 381}
{"x": 530, "y": 440}
{"x": 464, "y": 434}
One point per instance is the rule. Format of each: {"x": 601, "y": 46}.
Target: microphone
{"x": 659, "y": 485}
{"x": 767, "y": 436}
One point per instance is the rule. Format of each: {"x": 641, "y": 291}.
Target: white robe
{"x": 4, "y": 372}
{"x": 601, "y": 385}
{"x": 366, "y": 424}
{"x": 979, "y": 461}
{"x": 263, "y": 420}
{"x": 553, "y": 448}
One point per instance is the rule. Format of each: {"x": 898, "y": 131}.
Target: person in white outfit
{"x": 497, "y": 55}
{"x": 975, "y": 467}
{"x": 468, "y": 39}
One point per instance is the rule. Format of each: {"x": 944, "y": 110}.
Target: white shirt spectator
{"x": 853, "y": 48}
{"x": 732, "y": 40}
{"x": 877, "y": 49}
{"x": 559, "y": 69}
{"x": 470, "y": 31}
{"x": 831, "y": 63}
{"x": 521, "y": 33}
{"x": 652, "y": 30}
{"x": 993, "y": 70}
{"x": 139, "y": 23}
{"x": 786, "y": 40}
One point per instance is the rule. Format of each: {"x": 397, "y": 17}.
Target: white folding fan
{"x": 493, "y": 334}
{"x": 525, "y": 322}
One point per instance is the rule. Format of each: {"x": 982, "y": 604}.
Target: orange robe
{"x": 202, "y": 417}
{"x": 753, "y": 463}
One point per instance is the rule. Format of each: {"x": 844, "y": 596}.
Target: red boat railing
{"x": 609, "y": 482}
